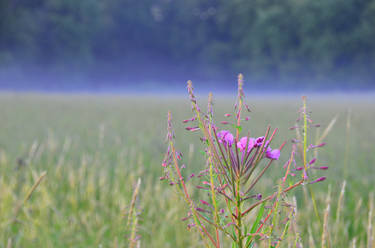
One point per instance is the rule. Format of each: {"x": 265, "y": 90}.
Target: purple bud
{"x": 247, "y": 108}
{"x": 312, "y": 161}
{"x": 205, "y": 203}
{"x": 227, "y": 115}
{"x": 200, "y": 187}
{"x": 202, "y": 210}
{"x": 259, "y": 141}
{"x": 320, "y": 179}
{"x": 224, "y": 122}
{"x": 320, "y": 168}
{"x": 192, "y": 129}
{"x": 187, "y": 217}
{"x": 247, "y": 118}
{"x": 257, "y": 196}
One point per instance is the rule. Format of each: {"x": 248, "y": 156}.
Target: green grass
{"x": 94, "y": 149}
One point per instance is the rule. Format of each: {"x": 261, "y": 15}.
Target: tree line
{"x": 323, "y": 43}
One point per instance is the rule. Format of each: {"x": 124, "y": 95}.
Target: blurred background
{"x": 151, "y": 45}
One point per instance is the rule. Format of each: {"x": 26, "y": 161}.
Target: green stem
{"x": 239, "y": 216}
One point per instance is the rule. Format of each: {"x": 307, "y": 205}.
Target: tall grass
{"x": 94, "y": 149}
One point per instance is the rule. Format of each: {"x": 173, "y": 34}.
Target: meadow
{"x": 88, "y": 152}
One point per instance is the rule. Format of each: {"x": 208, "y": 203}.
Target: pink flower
{"x": 242, "y": 144}
{"x": 273, "y": 154}
{"x": 225, "y": 137}
{"x": 259, "y": 141}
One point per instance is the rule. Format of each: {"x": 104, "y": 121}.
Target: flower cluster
{"x": 234, "y": 166}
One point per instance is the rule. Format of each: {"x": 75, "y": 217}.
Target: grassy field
{"x": 94, "y": 149}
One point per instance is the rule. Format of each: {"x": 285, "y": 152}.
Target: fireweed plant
{"x": 236, "y": 162}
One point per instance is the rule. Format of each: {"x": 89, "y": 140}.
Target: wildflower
{"x": 230, "y": 177}
{"x": 273, "y": 154}
{"x": 225, "y": 137}
{"x": 242, "y": 144}
{"x": 259, "y": 141}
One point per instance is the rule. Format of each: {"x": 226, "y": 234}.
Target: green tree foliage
{"x": 290, "y": 41}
